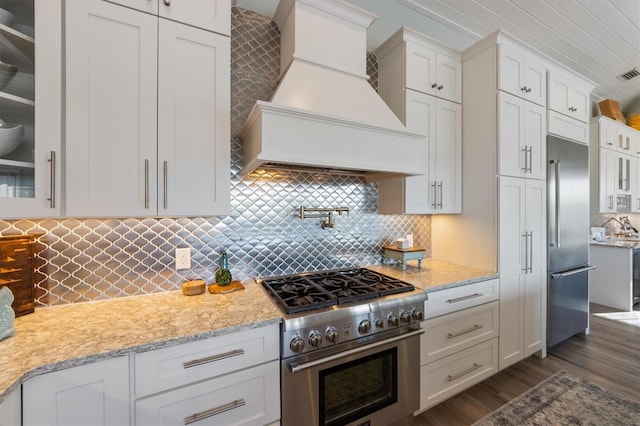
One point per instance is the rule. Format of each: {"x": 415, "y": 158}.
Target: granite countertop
{"x": 59, "y": 337}
{"x": 437, "y": 274}
{"x": 65, "y": 336}
{"x": 618, "y": 242}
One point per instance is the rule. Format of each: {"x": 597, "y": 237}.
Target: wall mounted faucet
{"x": 322, "y": 213}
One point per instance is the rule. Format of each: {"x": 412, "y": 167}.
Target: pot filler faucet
{"x": 322, "y": 213}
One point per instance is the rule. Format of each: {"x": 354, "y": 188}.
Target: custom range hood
{"x": 324, "y": 115}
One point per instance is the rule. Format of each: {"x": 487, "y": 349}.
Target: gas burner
{"x": 297, "y": 293}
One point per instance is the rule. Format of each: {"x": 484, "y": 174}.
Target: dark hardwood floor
{"x": 609, "y": 356}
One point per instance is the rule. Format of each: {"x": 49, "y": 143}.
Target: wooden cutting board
{"x": 218, "y": 289}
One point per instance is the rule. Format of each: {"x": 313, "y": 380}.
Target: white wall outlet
{"x": 183, "y": 258}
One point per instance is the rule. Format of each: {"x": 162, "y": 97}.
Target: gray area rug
{"x": 564, "y": 399}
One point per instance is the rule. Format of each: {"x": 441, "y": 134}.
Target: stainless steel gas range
{"x": 350, "y": 347}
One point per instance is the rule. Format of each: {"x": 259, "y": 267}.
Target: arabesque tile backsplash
{"x": 88, "y": 259}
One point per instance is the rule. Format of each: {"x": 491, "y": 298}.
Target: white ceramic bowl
{"x": 6, "y": 17}
{"x": 10, "y": 138}
{"x": 7, "y": 72}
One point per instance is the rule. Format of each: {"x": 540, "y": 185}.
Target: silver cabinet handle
{"x": 164, "y": 182}
{"x": 523, "y": 89}
{"x": 530, "y": 159}
{"x": 460, "y": 299}
{"x": 526, "y": 156}
{"x": 610, "y": 197}
{"x": 460, "y": 333}
{"x": 528, "y": 89}
{"x": 52, "y": 180}
{"x": 435, "y": 195}
{"x": 465, "y": 372}
{"x": 526, "y": 252}
{"x": 167, "y": 2}
{"x": 531, "y": 252}
{"x": 146, "y": 183}
{"x": 434, "y": 85}
{"x": 212, "y": 358}
{"x": 440, "y": 202}
{"x": 214, "y": 411}
{"x": 440, "y": 87}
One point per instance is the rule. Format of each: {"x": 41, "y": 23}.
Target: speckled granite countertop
{"x": 436, "y": 274}
{"x": 70, "y": 335}
{"x": 626, "y": 244}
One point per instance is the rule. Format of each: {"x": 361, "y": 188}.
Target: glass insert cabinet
{"x": 30, "y": 108}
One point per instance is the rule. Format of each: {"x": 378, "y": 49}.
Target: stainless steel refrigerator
{"x": 568, "y": 230}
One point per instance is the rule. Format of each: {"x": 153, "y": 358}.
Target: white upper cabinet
{"x": 521, "y": 74}
{"x": 569, "y": 95}
{"x": 408, "y": 63}
{"x": 211, "y": 15}
{"x": 433, "y": 72}
{"x": 30, "y": 107}
{"x": 411, "y": 60}
{"x": 148, "y": 117}
{"x": 439, "y": 190}
{"x": 521, "y": 137}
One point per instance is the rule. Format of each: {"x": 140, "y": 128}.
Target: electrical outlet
{"x": 183, "y": 258}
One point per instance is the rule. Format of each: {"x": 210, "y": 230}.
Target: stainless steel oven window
{"x": 355, "y": 389}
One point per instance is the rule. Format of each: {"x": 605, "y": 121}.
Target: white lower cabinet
{"x": 228, "y": 379}
{"x": 246, "y": 397}
{"x": 11, "y": 409}
{"x": 448, "y": 376}
{"x": 460, "y": 345}
{"x": 91, "y": 394}
{"x": 522, "y": 268}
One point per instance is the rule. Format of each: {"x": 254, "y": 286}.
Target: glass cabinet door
{"x": 17, "y": 99}
{"x": 30, "y": 120}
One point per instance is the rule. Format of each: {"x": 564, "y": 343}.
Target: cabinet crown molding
{"x": 406, "y": 34}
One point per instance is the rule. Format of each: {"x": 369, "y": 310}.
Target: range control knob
{"x": 331, "y": 335}
{"x": 364, "y": 327}
{"x": 297, "y": 344}
{"x": 417, "y": 314}
{"x": 315, "y": 339}
{"x": 379, "y": 323}
{"x": 394, "y": 320}
{"x": 405, "y": 317}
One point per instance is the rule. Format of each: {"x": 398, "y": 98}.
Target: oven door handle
{"x": 296, "y": 368}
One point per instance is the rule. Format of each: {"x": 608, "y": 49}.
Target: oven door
{"x": 376, "y": 383}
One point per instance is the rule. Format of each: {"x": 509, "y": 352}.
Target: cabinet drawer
{"x": 163, "y": 369}
{"x": 451, "y": 333}
{"x": 453, "y": 299}
{"x": 448, "y": 376}
{"x": 250, "y": 396}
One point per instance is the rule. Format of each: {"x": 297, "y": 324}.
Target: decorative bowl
{"x": 7, "y": 71}
{"x": 6, "y": 17}
{"x": 10, "y": 138}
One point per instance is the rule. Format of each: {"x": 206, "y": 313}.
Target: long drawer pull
{"x": 460, "y": 299}
{"x": 213, "y": 358}
{"x": 462, "y": 373}
{"x": 460, "y": 333}
{"x": 214, "y": 411}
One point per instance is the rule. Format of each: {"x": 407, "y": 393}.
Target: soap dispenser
{"x": 223, "y": 275}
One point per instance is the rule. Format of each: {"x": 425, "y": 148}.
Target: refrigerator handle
{"x": 573, "y": 272}
{"x": 556, "y": 207}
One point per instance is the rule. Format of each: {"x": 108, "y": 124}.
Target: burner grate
{"x": 298, "y": 293}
